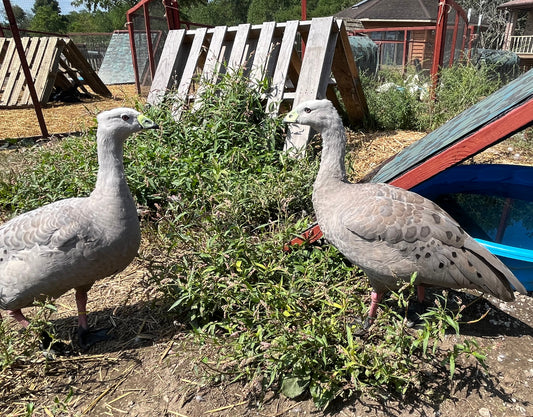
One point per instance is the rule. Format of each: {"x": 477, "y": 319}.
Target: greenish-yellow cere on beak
{"x": 291, "y": 117}
{"x": 146, "y": 123}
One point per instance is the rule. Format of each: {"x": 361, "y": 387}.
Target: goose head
{"x": 122, "y": 122}
{"x": 318, "y": 114}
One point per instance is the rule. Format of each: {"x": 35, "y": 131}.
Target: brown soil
{"x": 153, "y": 367}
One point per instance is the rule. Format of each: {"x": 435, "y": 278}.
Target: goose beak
{"x": 146, "y": 123}
{"x": 291, "y": 117}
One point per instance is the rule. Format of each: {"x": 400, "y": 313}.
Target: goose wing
{"x": 410, "y": 233}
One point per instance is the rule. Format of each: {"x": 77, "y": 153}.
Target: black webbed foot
{"x": 53, "y": 347}
{"x": 87, "y": 337}
{"x": 362, "y": 327}
{"x": 414, "y": 313}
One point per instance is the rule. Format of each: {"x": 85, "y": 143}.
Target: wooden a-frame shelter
{"x": 53, "y": 62}
{"x": 269, "y": 50}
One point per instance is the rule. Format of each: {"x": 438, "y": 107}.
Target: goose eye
{"x": 307, "y": 110}
{"x": 125, "y": 117}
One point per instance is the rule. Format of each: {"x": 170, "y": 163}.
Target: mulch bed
{"x": 63, "y": 118}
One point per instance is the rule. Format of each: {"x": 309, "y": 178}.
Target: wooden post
{"x": 25, "y": 67}
{"x": 148, "y": 31}
{"x": 438, "y": 54}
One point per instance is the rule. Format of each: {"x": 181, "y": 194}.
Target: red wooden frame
{"x": 483, "y": 138}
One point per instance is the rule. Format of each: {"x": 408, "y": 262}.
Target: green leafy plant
{"x": 399, "y": 101}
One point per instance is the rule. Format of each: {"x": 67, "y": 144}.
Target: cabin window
{"x": 390, "y": 46}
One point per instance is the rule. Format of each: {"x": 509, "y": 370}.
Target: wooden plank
{"x": 314, "y": 75}
{"x": 211, "y": 67}
{"x": 165, "y": 69}
{"x": 34, "y": 70}
{"x": 55, "y": 55}
{"x": 4, "y": 69}
{"x": 316, "y": 64}
{"x": 239, "y": 45}
{"x": 65, "y": 83}
{"x": 508, "y": 97}
{"x": 262, "y": 52}
{"x": 192, "y": 63}
{"x": 212, "y": 61}
{"x": 3, "y": 42}
{"x": 483, "y": 138}
{"x": 48, "y": 45}
{"x": 295, "y": 69}
{"x": 16, "y": 78}
{"x": 282, "y": 66}
{"x": 347, "y": 76}
{"x": 62, "y": 82}
{"x": 65, "y": 67}
{"x": 190, "y": 69}
{"x": 22, "y": 85}
{"x": 77, "y": 60}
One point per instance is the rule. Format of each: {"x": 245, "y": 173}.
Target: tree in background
{"x": 274, "y": 10}
{"x": 21, "y": 17}
{"x": 493, "y": 19}
{"x": 216, "y": 12}
{"x": 47, "y": 17}
{"x": 321, "y": 8}
{"x": 99, "y": 20}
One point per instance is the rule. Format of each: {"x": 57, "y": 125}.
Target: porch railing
{"x": 522, "y": 44}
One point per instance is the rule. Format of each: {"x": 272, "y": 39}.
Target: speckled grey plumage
{"x": 74, "y": 242}
{"x": 389, "y": 232}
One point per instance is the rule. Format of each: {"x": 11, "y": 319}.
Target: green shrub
{"x": 288, "y": 319}
{"x": 460, "y": 87}
{"x": 403, "y": 107}
{"x": 393, "y": 101}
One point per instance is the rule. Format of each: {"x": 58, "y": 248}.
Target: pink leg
{"x": 86, "y": 338}
{"x": 81, "y": 304}
{"x": 376, "y": 298}
{"x": 18, "y": 316}
{"x": 421, "y": 293}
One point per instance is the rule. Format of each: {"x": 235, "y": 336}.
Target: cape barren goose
{"x": 74, "y": 242}
{"x": 389, "y": 232}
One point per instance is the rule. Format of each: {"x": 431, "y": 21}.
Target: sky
{"x": 64, "y": 5}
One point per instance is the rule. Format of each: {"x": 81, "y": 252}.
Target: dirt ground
{"x": 152, "y": 367}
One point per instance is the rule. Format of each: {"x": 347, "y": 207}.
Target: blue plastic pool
{"x": 494, "y": 204}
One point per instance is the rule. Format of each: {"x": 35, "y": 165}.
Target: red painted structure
{"x": 172, "y": 20}
{"x": 452, "y": 33}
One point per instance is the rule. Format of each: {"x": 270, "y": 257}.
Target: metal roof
{"x": 410, "y": 10}
{"x": 517, "y": 4}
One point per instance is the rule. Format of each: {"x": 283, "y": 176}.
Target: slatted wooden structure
{"x": 53, "y": 62}
{"x": 269, "y": 50}
{"x": 497, "y": 117}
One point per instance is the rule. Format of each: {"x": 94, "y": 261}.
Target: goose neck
{"x": 111, "y": 177}
{"x": 332, "y": 163}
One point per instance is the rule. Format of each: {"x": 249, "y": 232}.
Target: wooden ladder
{"x": 269, "y": 50}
